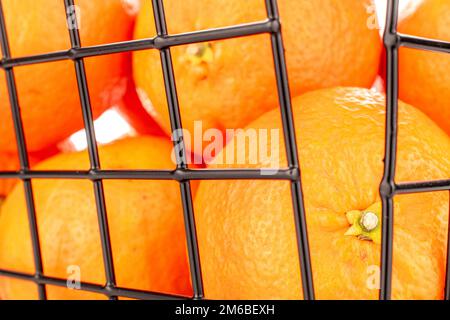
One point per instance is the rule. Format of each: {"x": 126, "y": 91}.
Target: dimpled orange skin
{"x": 425, "y": 76}
{"x": 145, "y": 220}
{"x": 335, "y": 47}
{"x": 48, "y": 93}
{"x": 247, "y": 236}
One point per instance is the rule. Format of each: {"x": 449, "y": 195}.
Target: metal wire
{"x": 178, "y": 140}
{"x": 93, "y": 153}
{"x": 157, "y": 42}
{"x": 387, "y": 184}
{"x": 23, "y": 155}
{"x": 182, "y": 174}
{"x": 388, "y": 188}
{"x": 291, "y": 151}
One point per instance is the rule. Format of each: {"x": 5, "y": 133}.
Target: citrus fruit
{"x": 10, "y": 162}
{"x": 48, "y": 93}
{"x": 247, "y": 235}
{"x": 425, "y": 76}
{"x": 226, "y": 84}
{"x": 131, "y": 109}
{"x": 145, "y": 223}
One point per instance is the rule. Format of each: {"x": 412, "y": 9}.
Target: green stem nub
{"x": 365, "y": 225}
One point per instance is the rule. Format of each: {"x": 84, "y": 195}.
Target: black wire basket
{"x": 183, "y": 174}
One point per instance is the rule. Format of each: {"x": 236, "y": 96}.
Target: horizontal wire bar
{"x": 91, "y": 287}
{"x": 423, "y": 43}
{"x": 188, "y": 38}
{"x": 192, "y": 37}
{"x": 158, "y": 42}
{"x": 422, "y": 186}
{"x": 205, "y": 174}
{"x": 176, "y": 175}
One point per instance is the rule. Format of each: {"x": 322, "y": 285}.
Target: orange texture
{"x": 145, "y": 223}
{"x": 226, "y": 84}
{"x": 425, "y": 76}
{"x": 10, "y": 162}
{"x": 48, "y": 92}
{"x": 246, "y": 228}
{"x": 131, "y": 109}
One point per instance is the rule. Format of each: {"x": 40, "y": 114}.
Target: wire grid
{"x": 163, "y": 42}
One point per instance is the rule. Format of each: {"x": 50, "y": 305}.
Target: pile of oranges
{"x": 246, "y": 229}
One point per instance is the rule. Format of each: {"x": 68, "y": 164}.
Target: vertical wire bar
{"x": 83, "y": 90}
{"x": 177, "y": 137}
{"x": 291, "y": 151}
{"x": 23, "y": 156}
{"x": 447, "y": 271}
{"x": 387, "y": 185}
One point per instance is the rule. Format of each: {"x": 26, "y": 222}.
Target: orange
{"x": 246, "y": 228}
{"x": 131, "y": 109}
{"x": 228, "y": 83}
{"x": 145, "y": 222}
{"x": 48, "y": 92}
{"x": 10, "y": 162}
{"x": 425, "y": 76}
